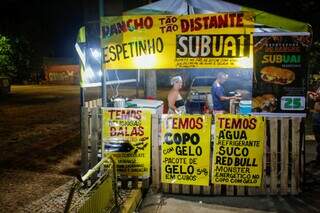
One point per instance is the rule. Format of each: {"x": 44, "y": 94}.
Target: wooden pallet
{"x": 133, "y": 183}
{"x": 283, "y": 163}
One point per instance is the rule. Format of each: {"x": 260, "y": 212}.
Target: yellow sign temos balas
{"x": 126, "y": 135}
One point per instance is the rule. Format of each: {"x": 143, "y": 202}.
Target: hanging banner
{"x": 177, "y": 41}
{"x": 238, "y": 150}
{"x": 185, "y": 149}
{"x": 126, "y": 134}
{"x": 280, "y": 73}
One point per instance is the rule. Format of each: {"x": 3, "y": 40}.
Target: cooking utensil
{"x": 119, "y": 102}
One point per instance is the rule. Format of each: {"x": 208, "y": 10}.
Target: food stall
{"x": 256, "y": 148}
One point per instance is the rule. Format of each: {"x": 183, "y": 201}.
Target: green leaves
{"x": 16, "y": 58}
{"x": 7, "y": 65}
{"x": 314, "y": 57}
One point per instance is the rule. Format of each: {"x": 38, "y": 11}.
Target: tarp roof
{"x": 264, "y": 22}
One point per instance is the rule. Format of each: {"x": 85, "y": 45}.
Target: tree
{"x": 314, "y": 65}
{"x": 16, "y": 58}
{"x": 314, "y": 58}
{"x": 7, "y": 66}
{"x": 22, "y": 58}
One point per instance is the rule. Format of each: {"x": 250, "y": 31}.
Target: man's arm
{"x": 314, "y": 95}
{"x": 222, "y": 97}
{"x": 317, "y": 97}
{"x": 225, "y": 98}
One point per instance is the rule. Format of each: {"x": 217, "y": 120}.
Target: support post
{"x": 150, "y": 83}
{"x": 84, "y": 139}
{"x": 103, "y": 76}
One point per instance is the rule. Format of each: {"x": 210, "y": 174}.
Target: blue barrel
{"x": 245, "y": 107}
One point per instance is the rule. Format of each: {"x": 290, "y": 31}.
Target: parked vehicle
{"x": 5, "y": 85}
{"x": 199, "y": 95}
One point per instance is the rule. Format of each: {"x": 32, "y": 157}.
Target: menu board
{"x": 280, "y": 73}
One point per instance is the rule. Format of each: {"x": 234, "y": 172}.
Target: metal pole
{"x": 104, "y": 87}
{"x": 138, "y": 83}
{"x": 103, "y": 76}
{"x": 82, "y": 96}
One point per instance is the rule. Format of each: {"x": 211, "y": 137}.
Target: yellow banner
{"x": 178, "y": 41}
{"x": 185, "y": 149}
{"x": 126, "y": 133}
{"x": 238, "y": 150}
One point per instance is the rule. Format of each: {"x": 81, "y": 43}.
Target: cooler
{"x": 156, "y": 106}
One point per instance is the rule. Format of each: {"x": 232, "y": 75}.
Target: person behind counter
{"x": 175, "y": 101}
{"x": 315, "y": 96}
{"x": 218, "y": 95}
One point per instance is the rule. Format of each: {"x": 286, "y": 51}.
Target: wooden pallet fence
{"x": 84, "y": 135}
{"x": 133, "y": 182}
{"x": 93, "y": 103}
{"x": 282, "y": 163}
{"x": 155, "y": 153}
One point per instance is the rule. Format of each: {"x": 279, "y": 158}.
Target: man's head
{"x": 222, "y": 77}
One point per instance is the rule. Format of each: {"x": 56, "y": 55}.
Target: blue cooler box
{"x": 245, "y": 107}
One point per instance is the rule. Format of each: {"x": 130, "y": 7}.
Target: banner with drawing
{"x": 280, "y": 73}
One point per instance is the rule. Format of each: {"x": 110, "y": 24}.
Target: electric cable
{"x": 117, "y": 87}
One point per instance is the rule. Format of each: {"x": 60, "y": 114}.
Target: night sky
{"x": 52, "y": 25}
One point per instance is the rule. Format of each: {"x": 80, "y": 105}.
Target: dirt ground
{"x": 39, "y": 142}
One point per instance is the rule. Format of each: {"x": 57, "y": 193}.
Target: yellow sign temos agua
{"x": 238, "y": 150}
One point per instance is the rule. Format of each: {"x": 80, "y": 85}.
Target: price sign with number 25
{"x": 292, "y": 103}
